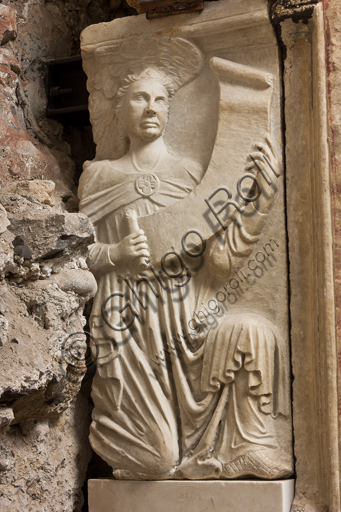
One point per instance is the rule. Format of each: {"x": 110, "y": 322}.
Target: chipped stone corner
{"x": 296, "y": 10}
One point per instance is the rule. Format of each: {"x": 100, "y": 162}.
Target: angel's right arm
{"x": 99, "y": 260}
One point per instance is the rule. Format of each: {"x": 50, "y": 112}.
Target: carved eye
{"x": 139, "y": 97}
{"x": 161, "y": 101}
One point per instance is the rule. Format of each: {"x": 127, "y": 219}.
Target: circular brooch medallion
{"x": 147, "y": 184}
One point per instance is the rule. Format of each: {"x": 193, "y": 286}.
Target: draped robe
{"x": 170, "y": 402}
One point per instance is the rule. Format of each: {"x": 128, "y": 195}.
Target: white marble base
{"x": 190, "y": 496}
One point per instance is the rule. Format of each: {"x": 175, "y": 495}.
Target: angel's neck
{"x": 146, "y": 155}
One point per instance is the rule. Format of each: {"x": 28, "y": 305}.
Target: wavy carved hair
{"x": 121, "y": 136}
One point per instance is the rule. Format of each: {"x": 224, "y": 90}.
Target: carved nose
{"x": 150, "y": 112}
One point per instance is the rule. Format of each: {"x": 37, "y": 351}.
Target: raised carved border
{"x": 310, "y": 235}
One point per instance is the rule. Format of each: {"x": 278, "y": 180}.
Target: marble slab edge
{"x": 190, "y": 496}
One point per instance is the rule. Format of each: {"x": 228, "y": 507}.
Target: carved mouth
{"x": 149, "y": 124}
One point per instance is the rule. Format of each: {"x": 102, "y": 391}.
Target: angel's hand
{"x": 130, "y": 248}
{"x": 265, "y": 164}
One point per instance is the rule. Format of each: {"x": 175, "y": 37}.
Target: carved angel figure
{"x": 170, "y": 403}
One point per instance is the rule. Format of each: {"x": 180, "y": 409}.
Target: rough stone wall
{"x": 44, "y": 281}
{"x": 43, "y": 291}
{"x": 33, "y": 32}
{"x": 332, "y": 10}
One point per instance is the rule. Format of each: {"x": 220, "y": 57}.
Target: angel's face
{"x": 146, "y": 109}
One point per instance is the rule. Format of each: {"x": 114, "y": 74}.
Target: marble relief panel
{"x": 190, "y": 320}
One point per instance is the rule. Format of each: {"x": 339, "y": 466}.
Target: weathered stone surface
{"x": 6, "y": 415}
{"x": 43, "y": 292}
{"x": 78, "y": 281}
{"x": 33, "y": 147}
{"x": 26, "y": 152}
{"x": 4, "y": 222}
{"x": 34, "y": 308}
{"x": 8, "y": 25}
{"x": 49, "y": 233}
{"x": 310, "y": 233}
{"x": 297, "y": 10}
{"x": 43, "y": 463}
{"x": 332, "y": 12}
{"x": 43, "y": 190}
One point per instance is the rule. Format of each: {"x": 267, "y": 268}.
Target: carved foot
{"x": 124, "y": 474}
{"x": 268, "y": 464}
{"x": 196, "y": 469}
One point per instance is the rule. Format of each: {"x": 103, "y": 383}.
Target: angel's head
{"x": 143, "y": 105}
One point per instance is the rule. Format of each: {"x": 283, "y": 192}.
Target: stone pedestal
{"x": 190, "y": 496}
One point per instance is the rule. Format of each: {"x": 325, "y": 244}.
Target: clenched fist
{"x": 131, "y": 247}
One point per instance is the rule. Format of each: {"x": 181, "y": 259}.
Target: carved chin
{"x": 151, "y": 133}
